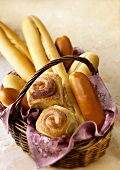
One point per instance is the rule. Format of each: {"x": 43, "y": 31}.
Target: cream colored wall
{"x": 92, "y": 24}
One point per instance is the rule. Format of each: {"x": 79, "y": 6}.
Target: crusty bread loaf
{"x": 87, "y": 98}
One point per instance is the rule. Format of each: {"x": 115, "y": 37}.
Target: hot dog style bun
{"x": 81, "y": 67}
{"x": 87, "y": 98}
{"x": 13, "y": 81}
{"x": 9, "y": 96}
{"x": 10, "y": 89}
{"x": 64, "y": 47}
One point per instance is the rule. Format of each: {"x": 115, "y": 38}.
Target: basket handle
{"x": 47, "y": 66}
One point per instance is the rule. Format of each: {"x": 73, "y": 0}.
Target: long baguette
{"x": 16, "y": 40}
{"x": 34, "y": 43}
{"x": 15, "y": 57}
{"x": 60, "y": 67}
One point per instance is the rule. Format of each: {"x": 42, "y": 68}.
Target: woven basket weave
{"x": 82, "y": 153}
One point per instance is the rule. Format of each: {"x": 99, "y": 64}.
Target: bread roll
{"x": 64, "y": 47}
{"x": 13, "y": 81}
{"x": 87, "y": 98}
{"x": 46, "y": 91}
{"x": 9, "y": 96}
{"x": 56, "y": 121}
{"x": 94, "y": 59}
{"x": 81, "y": 67}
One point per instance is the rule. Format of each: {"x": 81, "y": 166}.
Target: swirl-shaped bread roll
{"x": 56, "y": 121}
{"x": 46, "y": 91}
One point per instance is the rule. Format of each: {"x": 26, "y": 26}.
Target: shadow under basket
{"x": 83, "y": 153}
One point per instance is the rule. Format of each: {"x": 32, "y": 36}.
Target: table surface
{"x": 92, "y": 24}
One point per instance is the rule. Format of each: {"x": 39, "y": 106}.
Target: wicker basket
{"x": 83, "y": 153}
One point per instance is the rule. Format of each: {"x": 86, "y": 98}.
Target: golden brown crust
{"x": 56, "y": 121}
{"x": 64, "y": 47}
{"x": 9, "y": 96}
{"x": 87, "y": 99}
{"x": 46, "y": 91}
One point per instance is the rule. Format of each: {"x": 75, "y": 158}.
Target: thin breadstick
{"x": 59, "y": 67}
{"x": 15, "y": 57}
{"x": 16, "y": 40}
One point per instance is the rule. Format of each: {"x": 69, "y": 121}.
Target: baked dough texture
{"x": 45, "y": 91}
{"x": 56, "y": 121}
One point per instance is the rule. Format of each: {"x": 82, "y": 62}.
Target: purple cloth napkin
{"x": 78, "y": 51}
{"x": 4, "y": 114}
{"x": 47, "y": 151}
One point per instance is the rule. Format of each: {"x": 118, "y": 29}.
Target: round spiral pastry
{"x": 44, "y": 86}
{"x": 56, "y": 121}
{"x": 46, "y": 91}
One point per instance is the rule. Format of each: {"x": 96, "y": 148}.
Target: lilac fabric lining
{"x": 47, "y": 151}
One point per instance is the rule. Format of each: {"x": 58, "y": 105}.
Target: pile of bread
{"x": 63, "y": 93}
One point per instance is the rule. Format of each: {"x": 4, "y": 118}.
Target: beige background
{"x": 92, "y": 24}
